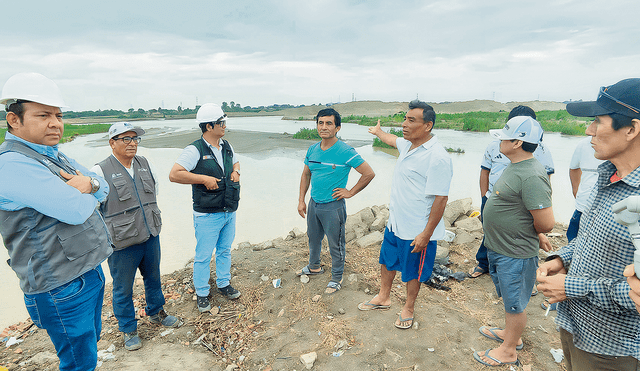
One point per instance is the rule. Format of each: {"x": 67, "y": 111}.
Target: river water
{"x": 270, "y": 183}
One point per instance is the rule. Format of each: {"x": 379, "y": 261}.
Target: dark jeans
{"x": 123, "y": 265}
{"x": 327, "y": 219}
{"x": 71, "y": 314}
{"x": 481, "y": 255}
{"x": 574, "y": 223}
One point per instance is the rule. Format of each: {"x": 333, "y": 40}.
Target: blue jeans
{"x": 327, "y": 219}
{"x": 574, "y": 224}
{"x": 123, "y": 265}
{"x": 71, "y": 315}
{"x": 213, "y": 231}
{"x": 481, "y": 255}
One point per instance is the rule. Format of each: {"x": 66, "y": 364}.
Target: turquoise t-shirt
{"x": 330, "y": 169}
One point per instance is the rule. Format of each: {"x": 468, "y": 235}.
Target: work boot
{"x": 132, "y": 340}
{"x": 162, "y": 318}
{"x": 203, "y": 304}
{"x": 229, "y": 292}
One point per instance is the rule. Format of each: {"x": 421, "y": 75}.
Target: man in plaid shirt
{"x": 600, "y": 325}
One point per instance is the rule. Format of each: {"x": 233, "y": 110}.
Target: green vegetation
{"x": 551, "y": 121}
{"x": 454, "y": 150}
{"x": 71, "y": 131}
{"x": 305, "y": 133}
{"x": 378, "y": 143}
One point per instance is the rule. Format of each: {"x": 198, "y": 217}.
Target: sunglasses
{"x": 603, "y": 93}
{"x": 127, "y": 140}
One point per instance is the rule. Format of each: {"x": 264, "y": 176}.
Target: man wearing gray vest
{"x": 54, "y": 234}
{"x": 211, "y": 167}
{"x": 133, "y": 218}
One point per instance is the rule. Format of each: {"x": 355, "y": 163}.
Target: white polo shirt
{"x": 419, "y": 176}
{"x": 584, "y": 159}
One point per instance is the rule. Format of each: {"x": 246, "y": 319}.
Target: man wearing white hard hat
{"x": 210, "y": 165}
{"x": 131, "y": 212}
{"x": 517, "y": 211}
{"x": 54, "y": 234}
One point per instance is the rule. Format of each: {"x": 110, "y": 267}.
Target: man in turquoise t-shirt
{"x": 326, "y": 169}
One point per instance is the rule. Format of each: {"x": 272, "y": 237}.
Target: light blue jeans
{"x": 213, "y": 231}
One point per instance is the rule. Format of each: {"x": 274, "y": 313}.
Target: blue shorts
{"x": 514, "y": 279}
{"x": 395, "y": 254}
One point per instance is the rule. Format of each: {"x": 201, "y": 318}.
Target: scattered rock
{"x": 308, "y": 359}
{"x": 294, "y": 233}
{"x": 342, "y": 343}
{"x": 557, "y": 354}
{"x": 373, "y": 238}
{"x": 263, "y": 246}
{"x": 43, "y": 357}
{"x": 316, "y": 298}
{"x": 341, "y": 311}
{"x": 463, "y": 237}
{"x": 353, "y": 278}
{"x": 244, "y": 245}
{"x": 231, "y": 367}
{"x": 366, "y": 215}
{"x": 304, "y": 278}
{"x": 469, "y": 224}
{"x": 415, "y": 325}
{"x": 442, "y": 255}
{"x": 454, "y": 209}
{"x": 264, "y": 278}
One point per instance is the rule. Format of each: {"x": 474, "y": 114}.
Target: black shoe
{"x": 203, "y": 304}
{"x": 229, "y": 292}
{"x": 132, "y": 340}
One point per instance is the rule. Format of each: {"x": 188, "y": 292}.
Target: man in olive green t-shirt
{"x": 517, "y": 211}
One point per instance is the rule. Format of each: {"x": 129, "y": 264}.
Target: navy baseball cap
{"x": 622, "y": 97}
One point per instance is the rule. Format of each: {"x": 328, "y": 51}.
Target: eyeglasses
{"x": 127, "y": 140}
{"x": 603, "y": 93}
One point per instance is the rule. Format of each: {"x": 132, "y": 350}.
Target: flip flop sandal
{"x": 368, "y": 306}
{"x": 499, "y": 363}
{"x": 336, "y": 286}
{"x": 495, "y": 337}
{"x": 308, "y": 272}
{"x": 477, "y": 269}
{"x": 401, "y": 326}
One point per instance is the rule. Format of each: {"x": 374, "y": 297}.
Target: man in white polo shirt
{"x": 419, "y": 194}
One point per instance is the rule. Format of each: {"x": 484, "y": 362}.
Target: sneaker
{"x": 203, "y": 304}
{"x": 132, "y": 340}
{"x": 162, "y": 318}
{"x": 229, "y": 292}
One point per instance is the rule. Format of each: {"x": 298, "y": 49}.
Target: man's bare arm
{"x": 366, "y": 175}
{"x": 305, "y": 180}
{"x": 385, "y": 137}
{"x": 543, "y": 220}
{"x": 574, "y": 176}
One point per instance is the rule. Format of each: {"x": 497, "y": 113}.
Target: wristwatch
{"x": 95, "y": 185}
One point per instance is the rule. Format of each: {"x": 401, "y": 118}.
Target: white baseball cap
{"x": 123, "y": 127}
{"x": 523, "y": 128}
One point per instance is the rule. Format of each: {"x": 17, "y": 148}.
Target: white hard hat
{"x": 32, "y": 87}
{"x": 210, "y": 112}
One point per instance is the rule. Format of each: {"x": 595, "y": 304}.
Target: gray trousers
{"x": 327, "y": 219}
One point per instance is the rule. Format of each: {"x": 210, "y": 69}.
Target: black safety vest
{"x": 227, "y": 195}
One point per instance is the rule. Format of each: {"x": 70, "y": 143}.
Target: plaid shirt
{"x": 598, "y": 310}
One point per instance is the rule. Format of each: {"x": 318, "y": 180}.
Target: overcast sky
{"x": 143, "y": 54}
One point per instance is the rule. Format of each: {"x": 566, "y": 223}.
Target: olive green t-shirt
{"x": 507, "y": 222}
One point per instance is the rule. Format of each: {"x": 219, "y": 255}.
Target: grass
{"x": 306, "y": 133}
{"x": 71, "y": 131}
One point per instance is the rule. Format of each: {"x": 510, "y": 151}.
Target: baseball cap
{"x": 523, "y": 128}
{"x": 123, "y": 127}
{"x": 622, "y": 97}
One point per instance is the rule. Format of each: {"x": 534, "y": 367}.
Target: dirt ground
{"x": 269, "y": 328}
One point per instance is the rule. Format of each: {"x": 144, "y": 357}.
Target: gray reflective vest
{"x": 131, "y": 210}
{"x": 44, "y": 252}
